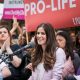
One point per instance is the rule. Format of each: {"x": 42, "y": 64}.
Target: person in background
{"x": 22, "y": 40}
{"x": 78, "y": 43}
{"x": 64, "y": 42}
{"x": 23, "y": 28}
{"x": 73, "y": 38}
{"x": 26, "y": 56}
{"x": 13, "y": 61}
{"x": 26, "y": 53}
{"x": 15, "y": 26}
{"x": 47, "y": 59}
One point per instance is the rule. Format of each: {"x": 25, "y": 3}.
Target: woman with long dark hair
{"x": 64, "y": 42}
{"x": 47, "y": 60}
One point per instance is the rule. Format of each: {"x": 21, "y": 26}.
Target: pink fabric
{"x": 68, "y": 67}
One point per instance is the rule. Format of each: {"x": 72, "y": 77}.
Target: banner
{"x": 60, "y": 13}
{"x": 13, "y": 8}
{"x": 1, "y": 1}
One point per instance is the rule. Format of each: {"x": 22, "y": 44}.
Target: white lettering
{"x": 16, "y": 12}
{"x": 76, "y": 20}
{"x": 59, "y": 6}
{"x": 71, "y": 3}
{"x": 53, "y": 8}
{"x": 27, "y": 8}
{"x": 63, "y": 3}
{"x": 33, "y": 8}
{"x": 43, "y": 6}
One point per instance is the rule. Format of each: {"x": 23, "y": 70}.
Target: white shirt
{"x": 2, "y": 65}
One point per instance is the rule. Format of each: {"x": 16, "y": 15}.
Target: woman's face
{"x": 3, "y": 34}
{"x": 41, "y": 36}
{"x": 73, "y": 36}
{"x": 61, "y": 42}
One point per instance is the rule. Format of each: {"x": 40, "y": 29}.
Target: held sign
{"x": 13, "y": 8}
{"x": 60, "y": 13}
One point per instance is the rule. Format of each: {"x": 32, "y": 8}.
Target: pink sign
{"x": 13, "y": 8}
{"x": 18, "y": 13}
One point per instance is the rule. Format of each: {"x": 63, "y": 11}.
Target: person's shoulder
{"x": 60, "y": 51}
{"x": 60, "y": 54}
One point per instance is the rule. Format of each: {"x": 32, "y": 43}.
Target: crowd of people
{"x": 53, "y": 57}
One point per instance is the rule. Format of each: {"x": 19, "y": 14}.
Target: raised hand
{"x": 3, "y": 47}
{"x": 15, "y": 22}
{"x": 6, "y": 46}
{"x": 15, "y": 25}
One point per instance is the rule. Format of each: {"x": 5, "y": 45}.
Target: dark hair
{"x": 78, "y": 43}
{"x": 77, "y": 40}
{"x": 49, "y": 57}
{"x": 68, "y": 46}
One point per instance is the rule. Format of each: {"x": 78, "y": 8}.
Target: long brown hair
{"x": 68, "y": 46}
{"x": 49, "y": 57}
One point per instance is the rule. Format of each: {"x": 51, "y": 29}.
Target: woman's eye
{"x": 0, "y": 32}
{"x": 38, "y": 32}
{"x": 43, "y": 33}
{"x": 5, "y": 32}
